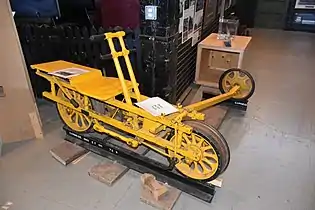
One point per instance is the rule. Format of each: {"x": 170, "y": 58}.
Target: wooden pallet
{"x": 67, "y": 152}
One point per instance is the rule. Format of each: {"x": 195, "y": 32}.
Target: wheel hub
{"x": 195, "y": 151}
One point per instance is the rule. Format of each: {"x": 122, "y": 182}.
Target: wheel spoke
{"x": 193, "y": 137}
{"x": 71, "y": 115}
{"x": 229, "y": 80}
{"x": 246, "y": 86}
{"x": 210, "y": 155}
{"x": 206, "y": 148}
{"x": 208, "y": 162}
{"x": 204, "y": 167}
{"x": 227, "y": 84}
{"x": 186, "y": 139}
{"x": 82, "y": 120}
{"x": 76, "y": 118}
{"x": 81, "y": 98}
{"x": 72, "y": 118}
{"x": 196, "y": 168}
{"x": 201, "y": 140}
{"x": 74, "y": 94}
{"x": 67, "y": 93}
{"x": 87, "y": 119}
{"x": 237, "y": 75}
{"x": 78, "y": 98}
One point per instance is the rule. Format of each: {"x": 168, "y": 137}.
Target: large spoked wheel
{"x": 77, "y": 121}
{"x": 210, "y": 146}
{"x": 233, "y": 77}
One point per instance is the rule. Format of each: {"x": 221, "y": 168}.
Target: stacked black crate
{"x": 159, "y": 49}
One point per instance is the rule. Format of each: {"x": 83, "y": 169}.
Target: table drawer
{"x": 223, "y": 60}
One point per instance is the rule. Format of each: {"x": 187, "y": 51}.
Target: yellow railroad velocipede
{"x": 197, "y": 150}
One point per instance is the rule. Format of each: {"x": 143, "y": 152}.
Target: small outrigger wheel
{"x": 212, "y": 147}
{"x": 235, "y": 76}
{"x": 77, "y": 121}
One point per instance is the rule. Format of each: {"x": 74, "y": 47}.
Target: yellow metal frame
{"x": 149, "y": 130}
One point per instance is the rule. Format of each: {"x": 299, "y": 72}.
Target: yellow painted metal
{"x": 152, "y": 127}
{"x": 58, "y": 65}
{"x": 111, "y": 35}
{"x": 197, "y": 158}
{"x": 92, "y": 83}
{"x": 108, "y": 120}
{"x": 203, "y": 163}
{"x": 129, "y": 68}
{"x": 142, "y": 97}
{"x": 212, "y": 101}
{"x": 126, "y": 107}
{"x": 194, "y": 115}
{"x": 120, "y": 74}
{"x": 155, "y": 139}
{"x": 102, "y": 129}
{"x": 142, "y": 113}
{"x": 156, "y": 149}
{"x": 62, "y": 89}
{"x": 102, "y": 88}
{"x": 240, "y": 79}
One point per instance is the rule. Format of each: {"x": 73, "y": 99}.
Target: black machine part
{"x": 101, "y": 146}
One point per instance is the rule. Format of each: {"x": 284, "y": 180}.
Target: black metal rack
{"x": 140, "y": 163}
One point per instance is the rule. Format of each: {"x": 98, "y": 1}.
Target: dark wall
{"x": 246, "y": 11}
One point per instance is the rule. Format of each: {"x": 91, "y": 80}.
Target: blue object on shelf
{"x": 227, "y": 43}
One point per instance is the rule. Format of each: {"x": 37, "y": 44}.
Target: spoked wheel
{"x": 233, "y": 77}
{"x": 207, "y": 143}
{"x": 77, "y": 121}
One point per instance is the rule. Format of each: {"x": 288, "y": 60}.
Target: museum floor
{"x": 272, "y": 145}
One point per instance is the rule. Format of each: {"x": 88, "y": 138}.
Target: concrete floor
{"x": 272, "y": 144}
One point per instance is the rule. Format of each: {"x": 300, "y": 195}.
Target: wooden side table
{"x": 213, "y": 58}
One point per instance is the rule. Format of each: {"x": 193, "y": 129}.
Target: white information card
{"x": 68, "y": 73}
{"x": 157, "y": 106}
